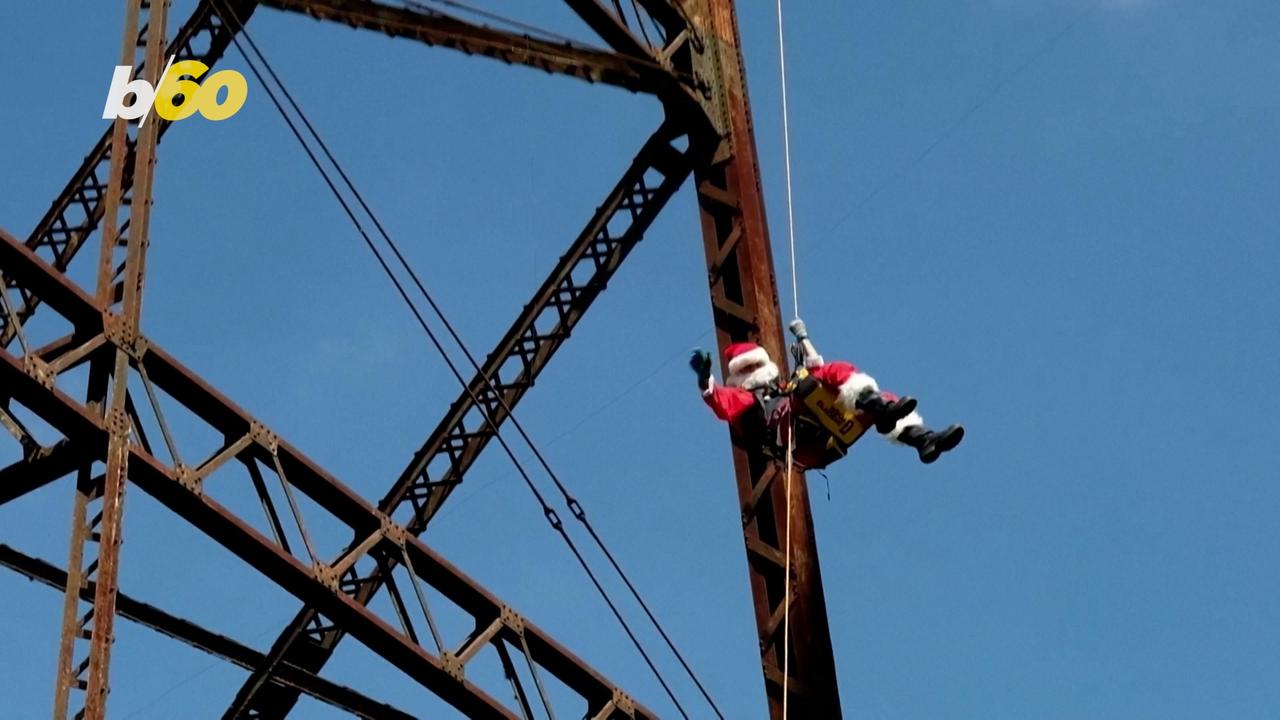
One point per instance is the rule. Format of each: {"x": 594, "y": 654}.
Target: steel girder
{"x": 37, "y": 469}
{"x": 207, "y": 641}
{"x": 560, "y": 302}
{"x": 506, "y": 375}
{"x": 546, "y": 321}
{"x": 436, "y": 28}
{"x": 744, "y": 300}
{"x": 327, "y": 587}
{"x": 701, "y": 49}
{"x": 98, "y": 511}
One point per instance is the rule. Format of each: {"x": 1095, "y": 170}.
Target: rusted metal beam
{"x": 440, "y": 29}
{"x": 208, "y": 641}
{"x": 744, "y": 300}
{"x": 316, "y": 585}
{"x": 77, "y": 211}
{"x": 98, "y": 511}
{"x": 38, "y": 469}
{"x": 512, "y": 367}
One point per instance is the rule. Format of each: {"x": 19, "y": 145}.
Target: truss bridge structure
{"x": 75, "y": 357}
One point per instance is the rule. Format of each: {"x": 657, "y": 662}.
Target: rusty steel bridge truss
{"x": 115, "y": 435}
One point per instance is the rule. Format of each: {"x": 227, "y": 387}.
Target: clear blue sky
{"x": 1053, "y": 220}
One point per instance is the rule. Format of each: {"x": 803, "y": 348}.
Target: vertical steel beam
{"x": 744, "y": 299}
{"x": 106, "y": 492}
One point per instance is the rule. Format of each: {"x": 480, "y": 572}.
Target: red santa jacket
{"x": 731, "y": 403}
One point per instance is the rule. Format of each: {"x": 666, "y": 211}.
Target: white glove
{"x": 798, "y": 329}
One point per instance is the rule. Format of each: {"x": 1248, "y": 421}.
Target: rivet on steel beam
{"x": 264, "y": 436}
{"x": 624, "y": 703}
{"x": 452, "y": 665}
{"x": 118, "y": 422}
{"x": 40, "y": 371}
{"x": 326, "y": 575}
{"x": 392, "y": 531}
{"x": 121, "y": 332}
{"x": 512, "y": 619}
{"x": 189, "y": 479}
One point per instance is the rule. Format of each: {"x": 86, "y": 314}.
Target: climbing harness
{"x": 800, "y": 417}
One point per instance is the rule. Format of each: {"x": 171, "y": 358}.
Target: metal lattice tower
{"x": 693, "y": 67}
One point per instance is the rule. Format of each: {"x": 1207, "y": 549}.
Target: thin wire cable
{"x": 786, "y": 153}
{"x": 547, "y": 35}
{"x": 639, "y": 23}
{"x": 583, "y": 420}
{"x": 548, "y": 511}
{"x": 490, "y": 15}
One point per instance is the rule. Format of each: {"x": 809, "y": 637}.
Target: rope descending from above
{"x": 786, "y": 154}
{"x": 795, "y": 310}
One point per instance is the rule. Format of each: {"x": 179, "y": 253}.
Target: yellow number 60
{"x": 199, "y": 97}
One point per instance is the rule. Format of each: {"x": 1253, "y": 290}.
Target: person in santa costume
{"x": 753, "y": 401}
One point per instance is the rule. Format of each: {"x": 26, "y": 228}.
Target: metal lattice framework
{"x": 694, "y": 68}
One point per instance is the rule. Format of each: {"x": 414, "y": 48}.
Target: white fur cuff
{"x": 853, "y": 388}
{"x": 912, "y": 419}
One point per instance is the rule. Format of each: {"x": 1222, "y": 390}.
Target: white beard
{"x": 758, "y": 378}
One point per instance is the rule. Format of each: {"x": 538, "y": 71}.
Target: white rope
{"x": 795, "y": 309}
{"x": 786, "y": 600}
{"x": 786, "y": 152}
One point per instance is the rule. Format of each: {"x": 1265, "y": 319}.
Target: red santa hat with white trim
{"x": 739, "y": 355}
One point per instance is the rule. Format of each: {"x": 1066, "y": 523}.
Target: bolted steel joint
{"x": 121, "y": 332}
{"x": 624, "y": 703}
{"x": 118, "y": 422}
{"x": 39, "y": 370}
{"x": 189, "y": 479}
{"x": 263, "y": 436}
{"x": 392, "y": 531}
{"x": 327, "y": 576}
{"x": 512, "y": 620}
{"x": 452, "y": 665}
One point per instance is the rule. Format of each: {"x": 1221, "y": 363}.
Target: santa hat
{"x": 739, "y": 355}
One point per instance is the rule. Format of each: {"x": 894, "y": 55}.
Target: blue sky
{"x": 1050, "y": 220}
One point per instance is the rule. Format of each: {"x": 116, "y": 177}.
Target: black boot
{"x": 886, "y": 414}
{"x": 933, "y": 444}
{"x": 914, "y": 436}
